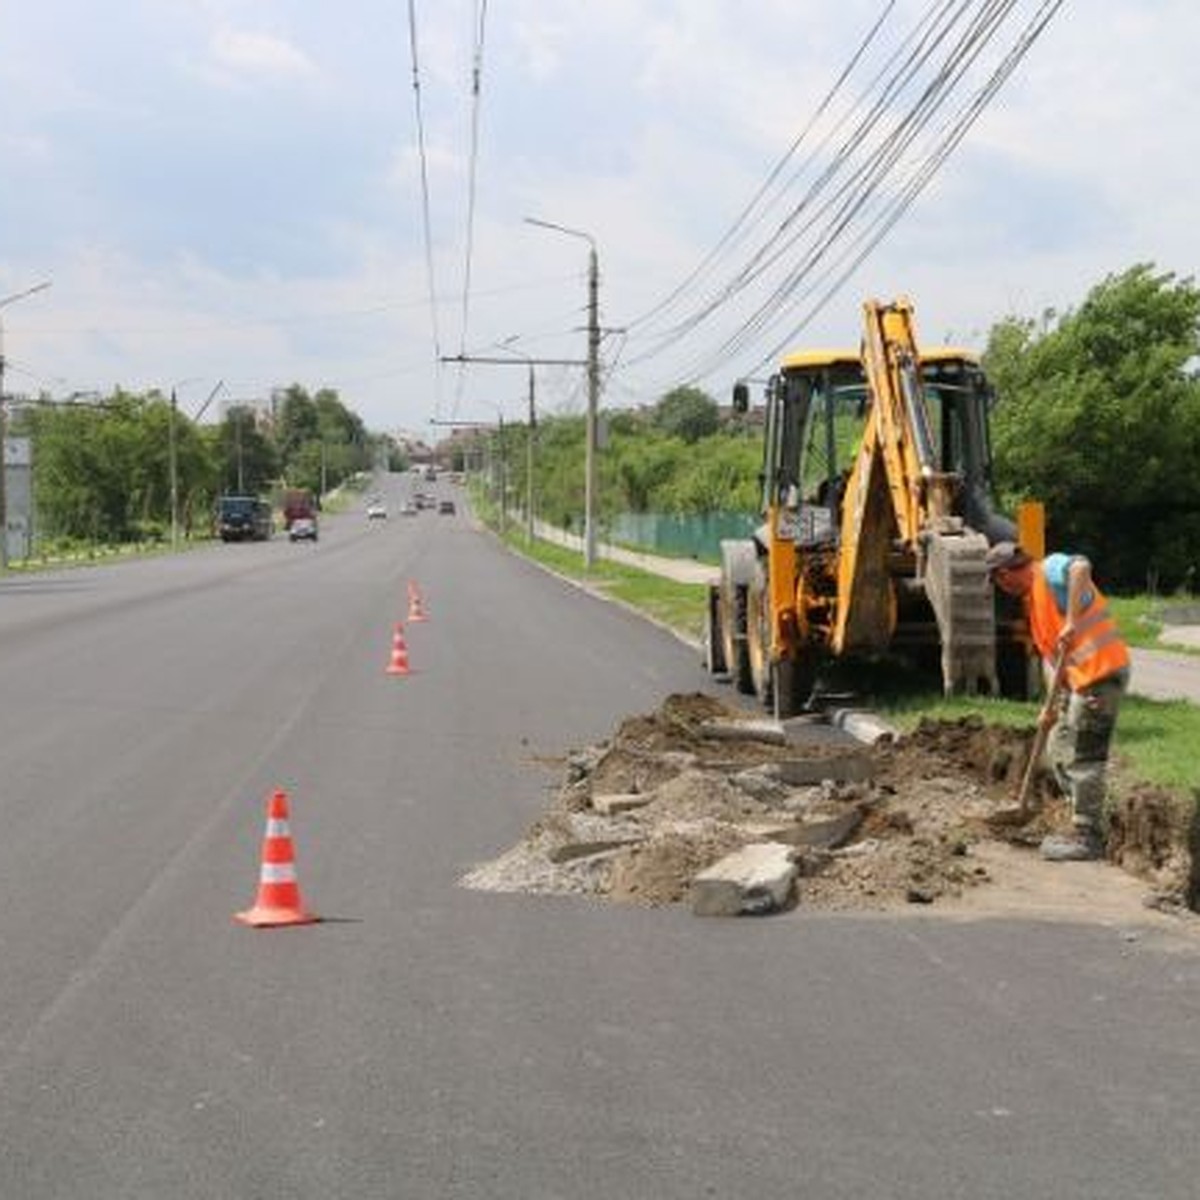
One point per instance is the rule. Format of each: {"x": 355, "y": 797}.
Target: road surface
{"x": 430, "y": 1041}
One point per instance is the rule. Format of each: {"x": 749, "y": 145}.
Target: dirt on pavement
{"x": 918, "y": 821}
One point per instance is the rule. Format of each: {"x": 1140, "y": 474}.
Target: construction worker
{"x": 1071, "y": 625}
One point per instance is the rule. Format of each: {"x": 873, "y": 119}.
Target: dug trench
{"x": 916, "y": 821}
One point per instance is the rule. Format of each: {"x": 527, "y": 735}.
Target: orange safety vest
{"x": 1095, "y": 652}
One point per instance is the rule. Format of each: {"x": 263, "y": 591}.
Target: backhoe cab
{"x": 877, "y": 515}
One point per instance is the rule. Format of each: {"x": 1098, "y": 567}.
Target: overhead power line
{"x": 425, "y": 209}
{"x": 868, "y": 170}
{"x": 476, "y": 81}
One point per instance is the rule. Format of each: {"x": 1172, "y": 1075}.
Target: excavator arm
{"x": 900, "y": 527}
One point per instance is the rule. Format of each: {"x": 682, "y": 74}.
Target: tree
{"x": 688, "y": 413}
{"x": 251, "y": 463}
{"x": 1099, "y": 417}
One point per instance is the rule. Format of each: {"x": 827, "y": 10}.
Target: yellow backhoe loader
{"x": 877, "y": 516}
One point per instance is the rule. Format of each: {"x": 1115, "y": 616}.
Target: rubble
{"x": 682, "y": 804}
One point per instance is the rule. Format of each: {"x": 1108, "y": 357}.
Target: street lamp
{"x": 593, "y": 378}
{"x": 4, "y": 303}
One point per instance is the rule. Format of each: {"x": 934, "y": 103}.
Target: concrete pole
{"x": 174, "y": 468}
{"x": 39, "y": 287}
{"x": 593, "y": 404}
{"x": 529, "y": 464}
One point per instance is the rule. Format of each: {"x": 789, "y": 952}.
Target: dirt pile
{"x": 910, "y": 822}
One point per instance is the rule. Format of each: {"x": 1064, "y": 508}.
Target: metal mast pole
{"x": 529, "y": 464}
{"x": 593, "y": 404}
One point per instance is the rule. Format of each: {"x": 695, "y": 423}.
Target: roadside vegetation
{"x": 1097, "y": 415}
{"x": 104, "y": 468}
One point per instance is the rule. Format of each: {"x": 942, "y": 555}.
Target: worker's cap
{"x": 1005, "y": 556}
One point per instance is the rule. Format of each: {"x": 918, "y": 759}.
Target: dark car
{"x": 244, "y": 519}
{"x": 446, "y": 508}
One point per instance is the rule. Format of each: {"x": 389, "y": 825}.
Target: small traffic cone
{"x": 399, "y": 662}
{"x": 278, "y": 901}
{"x": 416, "y": 609}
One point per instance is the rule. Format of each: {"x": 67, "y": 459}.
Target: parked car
{"x": 303, "y": 529}
{"x": 446, "y": 508}
{"x": 376, "y": 509}
{"x": 408, "y": 509}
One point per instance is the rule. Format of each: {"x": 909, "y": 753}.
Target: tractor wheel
{"x": 737, "y": 570}
{"x": 758, "y": 636}
{"x": 714, "y": 639}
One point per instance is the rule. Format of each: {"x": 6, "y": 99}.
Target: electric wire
{"x": 918, "y": 183}
{"x": 758, "y": 200}
{"x": 890, "y": 88}
{"x": 857, "y": 197}
{"x": 426, "y": 221}
{"x": 866, "y": 181}
{"x": 476, "y": 81}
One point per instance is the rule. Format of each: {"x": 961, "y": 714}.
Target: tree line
{"x": 1096, "y": 413}
{"x": 102, "y": 469}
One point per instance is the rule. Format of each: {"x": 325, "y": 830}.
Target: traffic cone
{"x": 278, "y": 901}
{"x": 399, "y": 661}
{"x": 416, "y": 609}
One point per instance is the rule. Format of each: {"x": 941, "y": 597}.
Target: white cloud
{"x": 253, "y": 56}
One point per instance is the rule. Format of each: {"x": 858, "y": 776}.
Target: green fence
{"x": 696, "y": 537}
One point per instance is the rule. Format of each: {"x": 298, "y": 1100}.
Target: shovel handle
{"x": 1042, "y": 732}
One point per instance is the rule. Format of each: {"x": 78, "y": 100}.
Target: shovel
{"x": 1023, "y": 809}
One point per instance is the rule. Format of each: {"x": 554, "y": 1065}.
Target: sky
{"x": 231, "y": 196}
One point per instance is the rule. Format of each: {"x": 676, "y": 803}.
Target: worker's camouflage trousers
{"x": 1077, "y": 751}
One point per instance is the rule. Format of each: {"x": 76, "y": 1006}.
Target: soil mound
{"x": 921, "y": 820}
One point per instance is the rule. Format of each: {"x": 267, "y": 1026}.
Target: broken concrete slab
{"x": 620, "y": 802}
{"x": 827, "y": 833}
{"x": 757, "y": 878}
{"x": 840, "y": 768}
{"x": 570, "y": 851}
{"x": 864, "y": 726}
{"x": 746, "y": 731}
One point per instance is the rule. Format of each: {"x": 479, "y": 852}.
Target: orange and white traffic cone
{"x": 278, "y": 901}
{"x": 399, "y": 660}
{"x": 416, "y": 609}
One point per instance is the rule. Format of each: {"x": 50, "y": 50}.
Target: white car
{"x": 376, "y": 510}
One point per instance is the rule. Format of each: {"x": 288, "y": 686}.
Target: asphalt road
{"x": 429, "y": 1041}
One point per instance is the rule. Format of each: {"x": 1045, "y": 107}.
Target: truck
{"x": 877, "y": 515}
{"x": 299, "y": 504}
{"x": 244, "y": 519}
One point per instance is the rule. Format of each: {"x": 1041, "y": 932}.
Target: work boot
{"x": 1080, "y": 845}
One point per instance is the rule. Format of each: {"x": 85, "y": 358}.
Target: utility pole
{"x": 516, "y": 361}
{"x": 529, "y": 464}
{"x": 174, "y": 462}
{"x": 37, "y": 287}
{"x": 503, "y": 472}
{"x": 593, "y": 381}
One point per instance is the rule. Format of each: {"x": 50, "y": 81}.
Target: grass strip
{"x": 678, "y": 605}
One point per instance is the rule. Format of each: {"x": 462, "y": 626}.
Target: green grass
{"x": 1136, "y": 620}
{"x": 1154, "y": 742}
{"x": 679, "y": 605}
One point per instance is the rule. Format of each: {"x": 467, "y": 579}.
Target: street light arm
{"x": 579, "y": 233}
{"x": 37, "y": 287}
